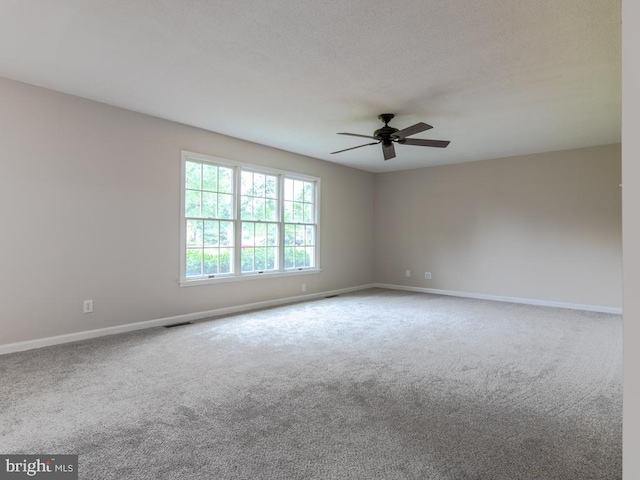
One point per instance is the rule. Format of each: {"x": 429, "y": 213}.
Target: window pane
{"x": 209, "y": 205}
{"x": 226, "y": 255}
{"x": 246, "y": 259}
{"x": 192, "y": 175}
{"x": 308, "y": 213}
{"x": 246, "y": 183}
{"x": 272, "y": 235}
{"x": 259, "y": 246}
{"x": 271, "y": 187}
{"x": 289, "y": 234}
{"x": 298, "y": 214}
{"x": 300, "y": 234}
{"x": 258, "y": 185}
{"x": 289, "y": 257}
{"x": 258, "y": 209}
{"x": 288, "y": 212}
{"x": 298, "y": 194}
{"x": 194, "y": 233}
{"x": 194, "y": 262}
{"x": 260, "y": 262}
{"x": 272, "y": 258}
{"x": 311, "y": 257}
{"x": 209, "y": 177}
{"x": 210, "y": 261}
{"x": 255, "y": 188}
{"x": 288, "y": 189}
{"x": 248, "y": 235}
{"x": 246, "y": 208}
{"x": 310, "y": 235}
{"x": 225, "y": 180}
{"x": 211, "y": 234}
{"x": 226, "y": 234}
{"x": 225, "y": 206}
{"x": 192, "y": 204}
{"x": 301, "y": 257}
{"x": 260, "y": 234}
{"x": 308, "y": 192}
{"x": 271, "y": 210}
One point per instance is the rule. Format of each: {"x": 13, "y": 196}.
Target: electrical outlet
{"x": 407, "y": 273}
{"x": 427, "y": 275}
{"x": 87, "y": 306}
{"x": 304, "y": 287}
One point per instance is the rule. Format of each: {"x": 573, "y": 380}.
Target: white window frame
{"x": 237, "y": 275}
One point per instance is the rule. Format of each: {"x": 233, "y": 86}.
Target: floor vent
{"x": 178, "y": 324}
{"x": 331, "y": 296}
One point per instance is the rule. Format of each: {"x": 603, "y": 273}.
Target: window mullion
{"x": 281, "y": 223}
{"x": 237, "y": 244}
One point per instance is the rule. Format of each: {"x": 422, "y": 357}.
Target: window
{"x": 242, "y": 221}
{"x": 299, "y": 223}
{"x": 259, "y": 206}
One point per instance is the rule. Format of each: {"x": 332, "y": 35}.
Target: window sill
{"x": 247, "y": 277}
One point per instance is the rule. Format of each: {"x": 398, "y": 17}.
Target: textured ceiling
{"x": 495, "y": 77}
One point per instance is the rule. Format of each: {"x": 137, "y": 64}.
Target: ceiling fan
{"x": 387, "y": 135}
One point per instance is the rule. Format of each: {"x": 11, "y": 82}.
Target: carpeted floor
{"x": 372, "y": 384}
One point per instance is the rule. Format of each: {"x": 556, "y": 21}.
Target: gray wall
{"x": 90, "y": 199}
{"x": 543, "y": 227}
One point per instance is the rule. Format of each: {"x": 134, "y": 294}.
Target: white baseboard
{"x": 498, "y": 298}
{"x": 160, "y": 322}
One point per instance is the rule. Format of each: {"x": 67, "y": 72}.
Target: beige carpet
{"x": 373, "y": 384}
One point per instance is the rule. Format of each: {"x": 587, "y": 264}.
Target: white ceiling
{"x": 495, "y": 77}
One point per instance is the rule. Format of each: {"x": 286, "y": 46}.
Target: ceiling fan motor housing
{"x": 384, "y": 134}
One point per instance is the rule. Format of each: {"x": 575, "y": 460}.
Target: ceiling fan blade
{"x": 388, "y": 151}
{"x": 412, "y": 130}
{"x": 426, "y": 143}
{"x": 346, "y": 149}
{"x": 357, "y": 135}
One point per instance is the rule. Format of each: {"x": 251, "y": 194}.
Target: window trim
{"x": 237, "y": 167}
